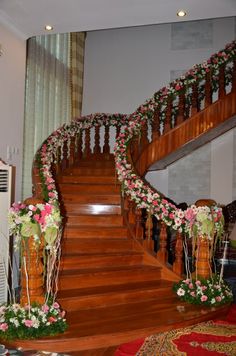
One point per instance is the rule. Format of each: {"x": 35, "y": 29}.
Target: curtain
{"x": 48, "y": 94}
{"x": 77, "y": 71}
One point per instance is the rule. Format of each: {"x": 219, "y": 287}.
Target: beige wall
{"x": 12, "y": 82}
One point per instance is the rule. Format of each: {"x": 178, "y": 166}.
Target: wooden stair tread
{"x": 85, "y": 231}
{"x": 162, "y": 284}
{"x": 108, "y": 269}
{"x": 100, "y": 254}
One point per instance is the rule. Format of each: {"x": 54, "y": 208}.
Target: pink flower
{"x": 204, "y": 298}
{"x": 45, "y": 308}
{"x": 193, "y": 294}
{"x": 190, "y": 285}
{"x": 218, "y": 298}
{"x": 3, "y": 327}
{"x": 56, "y": 305}
{"x": 198, "y": 283}
{"x": 51, "y": 319}
{"x": 28, "y": 323}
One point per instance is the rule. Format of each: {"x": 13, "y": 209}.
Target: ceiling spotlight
{"x": 48, "y": 28}
{"x": 181, "y": 13}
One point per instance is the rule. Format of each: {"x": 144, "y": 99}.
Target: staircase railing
{"x": 171, "y": 107}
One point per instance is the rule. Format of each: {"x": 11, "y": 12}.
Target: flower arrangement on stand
{"x": 204, "y": 225}
{"x": 39, "y": 225}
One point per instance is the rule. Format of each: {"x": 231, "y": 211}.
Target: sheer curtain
{"x": 48, "y": 96}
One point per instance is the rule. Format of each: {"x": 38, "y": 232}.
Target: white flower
{"x": 181, "y": 292}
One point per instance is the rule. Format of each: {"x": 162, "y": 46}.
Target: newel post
{"x": 202, "y": 258}
{"x": 32, "y": 281}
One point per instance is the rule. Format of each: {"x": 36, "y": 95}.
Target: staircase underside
{"x": 193, "y": 133}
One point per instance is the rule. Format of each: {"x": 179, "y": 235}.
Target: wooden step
{"x": 97, "y": 220}
{"x": 97, "y": 163}
{"x": 114, "y": 294}
{"x": 92, "y": 209}
{"x": 74, "y": 231}
{"x": 85, "y": 188}
{"x": 85, "y": 260}
{"x": 107, "y": 276}
{"x": 87, "y": 179}
{"x": 92, "y": 198}
{"x": 97, "y": 245}
{"x": 90, "y": 171}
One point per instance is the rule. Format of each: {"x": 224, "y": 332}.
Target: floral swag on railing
{"x": 133, "y": 185}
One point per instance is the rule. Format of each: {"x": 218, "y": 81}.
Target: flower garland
{"x": 211, "y": 292}
{"x": 29, "y": 322}
{"x": 133, "y": 185}
{"x": 52, "y": 149}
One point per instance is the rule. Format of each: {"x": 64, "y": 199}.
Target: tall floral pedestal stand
{"x": 32, "y": 280}
{"x": 202, "y": 255}
{"x": 32, "y": 283}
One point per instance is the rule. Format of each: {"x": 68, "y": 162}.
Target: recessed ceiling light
{"x": 181, "y": 13}
{"x": 48, "y": 27}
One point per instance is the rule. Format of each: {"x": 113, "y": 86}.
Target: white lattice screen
{"x": 6, "y": 190}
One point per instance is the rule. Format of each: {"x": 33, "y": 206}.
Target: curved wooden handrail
{"x": 189, "y": 135}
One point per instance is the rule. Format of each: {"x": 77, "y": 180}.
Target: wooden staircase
{"x": 111, "y": 283}
{"x": 112, "y": 290}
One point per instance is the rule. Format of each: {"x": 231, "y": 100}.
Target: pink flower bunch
{"x": 31, "y": 321}
{"x": 211, "y": 292}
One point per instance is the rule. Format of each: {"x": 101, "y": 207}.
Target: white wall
{"x": 12, "y": 82}
{"x": 124, "y": 67}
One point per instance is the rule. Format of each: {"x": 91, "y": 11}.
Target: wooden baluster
{"x": 80, "y": 145}
{"x": 32, "y": 283}
{"x": 71, "y": 159}
{"x": 37, "y": 184}
{"x": 168, "y": 116}
{"x": 117, "y": 131}
{"x": 87, "y": 148}
{"x": 144, "y": 137}
{"x": 222, "y": 91}
{"x": 233, "y": 89}
{"x": 156, "y": 125}
{"x": 195, "y": 101}
{"x": 181, "y": 108}
{"x": 162, "y": 252}
{"x": 208, "y": 90}
{"x": 106, "y": 146}
{"x": 148, "y": 242}
{"x": 178, "y": 262}
{"x": 138, "y": 224}
{"x": 97, "y": 148}
{"x": 64, "y": 160}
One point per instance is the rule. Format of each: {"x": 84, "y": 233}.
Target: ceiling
{"x": 28, "y": 17}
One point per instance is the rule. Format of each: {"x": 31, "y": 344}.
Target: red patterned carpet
{"x": 216, "y": 338}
